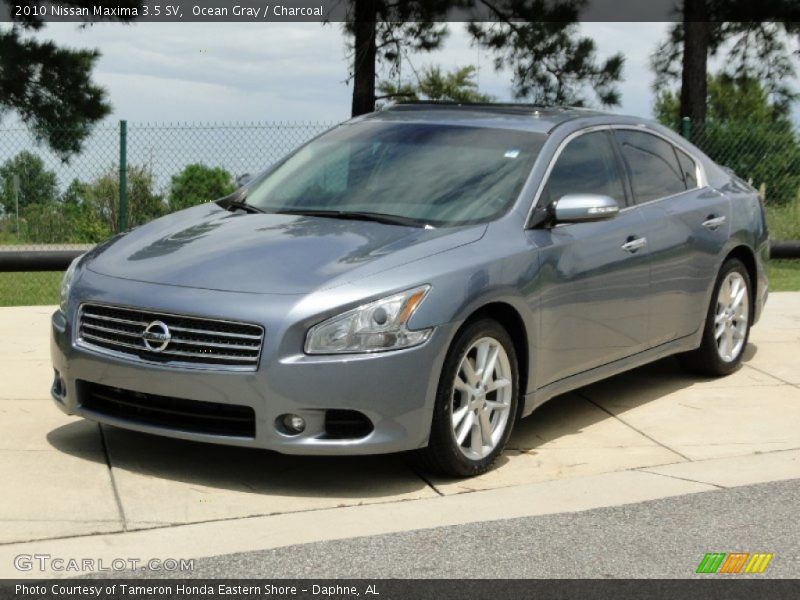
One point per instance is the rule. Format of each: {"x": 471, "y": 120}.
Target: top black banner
{"x": 32, "y": 12}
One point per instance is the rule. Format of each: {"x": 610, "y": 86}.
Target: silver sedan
{"x": 416, "y": 280}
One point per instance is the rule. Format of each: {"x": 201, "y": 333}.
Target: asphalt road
{"x": 658, "y": 539}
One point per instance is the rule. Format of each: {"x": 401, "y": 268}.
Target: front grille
{"x": 193, "y": 341}
{"x": 164, "y": 411}
{"x": 346, "y": 424}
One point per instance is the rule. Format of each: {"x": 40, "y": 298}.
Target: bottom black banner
{"x": 409, "y": 589}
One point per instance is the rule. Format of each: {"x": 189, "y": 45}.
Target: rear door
{"x": 596, "y": 281}
{"x": 686, "y": 226}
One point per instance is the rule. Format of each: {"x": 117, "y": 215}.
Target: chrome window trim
{"x": 660, "y": 199}
{"x": 702, "y": 180}
{"x": 83, "y": 344}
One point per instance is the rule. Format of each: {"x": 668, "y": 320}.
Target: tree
{"x": 83, "y": 223}
{"x": 197, "y": 184}
{"x": 71, "y": 219}
{"x": 738, "y": 99}
{"x": 75, "y": 194}
{"x": 144, "y": 204}
{"x": 433, "y": 84}
{"x": 746, "y": 130}
{"x": 43, "y": 223}
{"x": 385, "y": 30}
{"x": 51, "y": 88}
{"x": 37, "y": 185}
{"x": 752, "y": 36}
{"x": 56, "y": 223}
{"x": 539, "y": 40}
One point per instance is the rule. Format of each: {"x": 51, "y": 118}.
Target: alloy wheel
{"x": 732, "y": 316}
{"x": 482, "y": 394}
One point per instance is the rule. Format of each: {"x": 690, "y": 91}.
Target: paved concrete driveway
{"x": 650, "y": 430}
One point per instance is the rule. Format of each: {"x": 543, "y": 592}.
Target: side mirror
{"x": 243, "y": 179}
{"x": 582, "y": 208}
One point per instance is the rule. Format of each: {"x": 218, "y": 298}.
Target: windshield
{"x": 426, "y": 173}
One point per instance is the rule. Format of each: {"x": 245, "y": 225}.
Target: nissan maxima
{"x": 416, "y": 279}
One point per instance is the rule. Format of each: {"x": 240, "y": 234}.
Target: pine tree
{"x": 753, "y": 49}
{"x": 539, "y": 40}
{"x": 50, "y": 88}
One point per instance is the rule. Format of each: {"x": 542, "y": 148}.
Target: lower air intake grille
{"x": 172, "y": 413}
{"x": 346, "y": 424}
{"x": 169, "y": 338}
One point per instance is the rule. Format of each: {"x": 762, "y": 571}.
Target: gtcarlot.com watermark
{"x": 47, "y": 562}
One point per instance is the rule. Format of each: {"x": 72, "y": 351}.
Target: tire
{"x": 721, "y": 354}
{"x": 475, "y": 403}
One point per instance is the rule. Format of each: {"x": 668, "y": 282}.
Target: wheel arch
{"x": 745, "y": 254}
{"x": 511, "y": 320}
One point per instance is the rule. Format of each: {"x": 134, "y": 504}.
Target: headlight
{"x": 66, "y": 284}
{"x": 373, "y": 327}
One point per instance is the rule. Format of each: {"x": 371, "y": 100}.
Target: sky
{"x": 191, "y": 72}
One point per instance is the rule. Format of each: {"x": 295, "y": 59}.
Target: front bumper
{"x": 762, "y": 280}
{"x": 395, "y": 390}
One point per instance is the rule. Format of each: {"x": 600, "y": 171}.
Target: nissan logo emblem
{"x": 156, "y": 336}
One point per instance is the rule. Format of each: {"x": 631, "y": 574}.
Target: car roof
{"x": 528, "y": 117}
{"x": 525, "y": 117}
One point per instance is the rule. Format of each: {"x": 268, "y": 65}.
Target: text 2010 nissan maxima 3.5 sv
{"x": 416, "y": 279}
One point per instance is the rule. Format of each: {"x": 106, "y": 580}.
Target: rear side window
{"x": 688, "y": 167}
{"x": 654, "y": 168}
{"x": 587, "y": 165}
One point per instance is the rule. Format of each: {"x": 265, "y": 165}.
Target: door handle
{"x": 633, "y": 244}
{"x": 713, "y": 222}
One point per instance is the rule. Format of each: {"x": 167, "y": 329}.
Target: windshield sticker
{"x": 511, "y": 153}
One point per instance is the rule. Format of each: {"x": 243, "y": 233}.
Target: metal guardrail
{"x": 15, "y": 261}
{"x": 37, "y": 260}
{"x": 784, "y": 249}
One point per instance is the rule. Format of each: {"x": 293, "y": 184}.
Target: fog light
{"x": 59, "y": 388}
{"x": 294, "y": 424}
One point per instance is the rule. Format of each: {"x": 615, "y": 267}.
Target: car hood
{"x": 211, "y": 248}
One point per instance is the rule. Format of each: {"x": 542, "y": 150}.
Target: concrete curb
{"x": 267, "y": 532}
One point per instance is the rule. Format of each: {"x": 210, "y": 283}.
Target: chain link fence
{"x": 765, "y": 154}
{"x": 125, "y": 174}
{"x": 129, "y": 173}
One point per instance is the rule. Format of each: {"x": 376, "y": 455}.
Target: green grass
{"x": 784, "y": 275}
{"x": 784, "y": 224}
{"x": 25, "y": 289}
{"x": 9, "y": 238}
{"x": 784, "y": 221}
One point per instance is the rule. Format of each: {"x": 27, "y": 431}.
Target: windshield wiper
{"x": 236, "y": 203}
{"x": 356, "y": 215}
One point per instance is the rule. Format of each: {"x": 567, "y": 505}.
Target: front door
{"x": 595, "y": 277}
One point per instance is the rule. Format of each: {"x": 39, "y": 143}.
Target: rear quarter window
{"x": 653, "y": 165}
{"x": 688, "y": 167}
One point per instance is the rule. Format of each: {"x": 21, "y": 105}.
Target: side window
{"x": 587, "y": 165}
{"x": 688, "y": 167}
{"x": 654, "y": 168}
